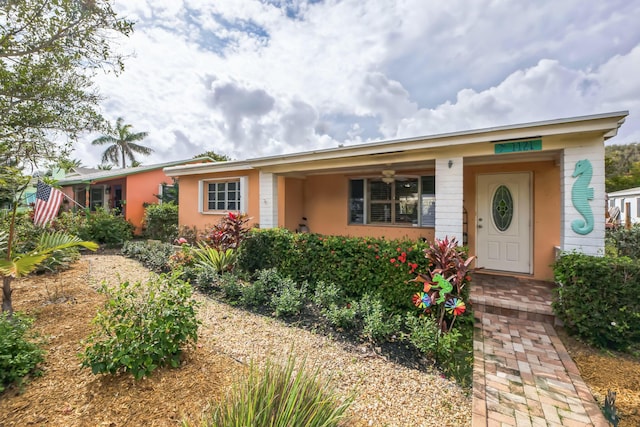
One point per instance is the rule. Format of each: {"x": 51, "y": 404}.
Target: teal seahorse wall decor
{"x": 581, "y": 193}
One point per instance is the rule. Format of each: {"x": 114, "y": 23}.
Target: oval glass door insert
{"x": 502, "y": 208}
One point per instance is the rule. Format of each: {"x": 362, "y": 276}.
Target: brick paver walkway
{"x": 522, "y": 374}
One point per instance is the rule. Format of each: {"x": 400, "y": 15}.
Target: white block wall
{"x": 268, "y": 200}
{"x": 592, "y": 243}
{"x": 449, "y": 197}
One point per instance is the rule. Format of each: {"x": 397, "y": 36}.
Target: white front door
{"x": 504, "y": 222}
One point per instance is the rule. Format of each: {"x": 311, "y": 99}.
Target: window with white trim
{"x": 408, "y": 201}
{"x": 223, "y": 195}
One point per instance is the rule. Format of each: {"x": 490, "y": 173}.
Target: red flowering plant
{"x": 443, "y": 283}
{"x": 229, "y": 232}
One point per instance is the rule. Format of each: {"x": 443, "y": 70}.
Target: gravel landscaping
{"x": 386, "y": 393}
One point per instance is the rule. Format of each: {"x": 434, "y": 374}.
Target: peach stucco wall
{"x": 141, "y": 188}
{"x": 326, "y": 209}
{"x": 545, "y": 203}
{"x": 291, "y": 202}
{"x": 188, "y": 204}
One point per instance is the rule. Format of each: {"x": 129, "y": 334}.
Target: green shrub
{"x": 377, "y": 323}
{"x": 452, "y": 351}
{"x": 231, "y": 288}
{"x": 624, "y": 242}
{"x": 142, "y": 326}
{"x": 289, "y": 299}
{"x": 18, "y": 355}
{"x": 254, "y": 295}
{"x": 281, "y": 396}
{"x": 161, "y": 222}
{"x": 105, "y": 227}
{"x": 360, "y": 265}
{"x": 423, "y": 332}
{"x": 597, "y": 298}
{"x": 342, "y": 316}
{"x": 153, "y": 255}
{"x": 327, "y": 294}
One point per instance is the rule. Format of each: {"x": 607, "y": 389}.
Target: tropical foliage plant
{"x": 14, "y": 265}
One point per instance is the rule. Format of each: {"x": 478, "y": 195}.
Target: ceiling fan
{"x": 388, "y": 176}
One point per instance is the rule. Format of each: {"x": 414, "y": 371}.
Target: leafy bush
{"x": 254, "y": 294}
{"x": 327, "y": 294}
{"x": 288, "y": 299}
{"x": 281, "y": 396}
{"x": 624, "y": 242}
{"x": 360, "y": 265}
{"x": 161, "y": 221}
{"x": 342, "y": 316}
{"x": 142, "y": 326}
{"x": 153, "y": 255}
{"x": 423, "y": 333}
{"x": 104, "y": 227}
{"x": 377, "y": 323}
{"x": 598, "y": 298}
{"x": 231, "y": 288}
{"x": 18, "y": 355}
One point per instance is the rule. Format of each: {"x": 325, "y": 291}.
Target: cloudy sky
{"x": 250, "y": 78}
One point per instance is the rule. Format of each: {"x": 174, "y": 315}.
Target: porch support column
{"x": 268, "y": 200}
{"x": 449, "y": 196}
{"x": 583, "y": 215}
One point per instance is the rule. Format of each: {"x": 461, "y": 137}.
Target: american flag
{"x": 48, "y": 201}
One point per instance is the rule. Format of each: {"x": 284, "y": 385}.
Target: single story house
{"x": 515, "y": 194}
{"x": 126, "y": 190}
{"x": 620, "y": 199}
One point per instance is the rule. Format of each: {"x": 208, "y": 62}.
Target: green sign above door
{"x": 518, "y": 146}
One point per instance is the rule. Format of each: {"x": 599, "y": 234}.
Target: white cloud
{"x": 249, "y": 78}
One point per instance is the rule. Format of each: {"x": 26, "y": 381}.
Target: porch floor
{"x": 522, "y": 373}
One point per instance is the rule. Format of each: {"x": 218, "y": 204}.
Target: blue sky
{"x": 252, "y": 78}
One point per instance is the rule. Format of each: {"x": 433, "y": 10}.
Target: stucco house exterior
{"x": 513, "y": 194}
{"x": 620, "y": 199}
{"x": 126, "y": 190}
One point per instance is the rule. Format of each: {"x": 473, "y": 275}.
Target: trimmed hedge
{"x": 357, "y": 265}
{"x": 599, "y": 299}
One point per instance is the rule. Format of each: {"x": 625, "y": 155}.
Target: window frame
{"x": 394, "y": 201}
{"x": 203, "y": 195}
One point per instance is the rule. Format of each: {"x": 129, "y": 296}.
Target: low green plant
{"x": 142, "y": 326}
{"x": 289, "y": 299}
{"x": 342, "y": 316}
{"x": 231, "y": 288}
{"x": 327, "y": 294}
{"x": 161, "y": 221}
{"x": 19, "y": 355}
{"x": 423, "y": 333}
{"x": 282, "y": 396}
{"x": 153, "y": 255}
{"x": 377, "y": 323}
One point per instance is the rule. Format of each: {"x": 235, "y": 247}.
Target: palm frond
{"x": 22, "y": 265}
{"x": 105, "y": 139}
{"x": 50, "y": 242}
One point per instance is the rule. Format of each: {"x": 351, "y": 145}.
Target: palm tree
{"x": 123, "y": 144}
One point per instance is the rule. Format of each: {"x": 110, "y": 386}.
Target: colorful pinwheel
{"x": 421, "y": 300}
{"x": 455, "y": 306}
